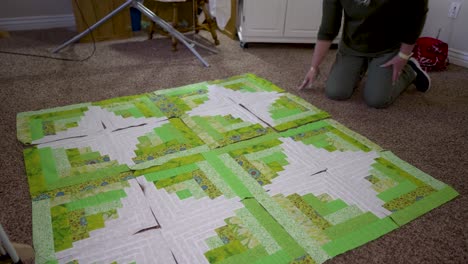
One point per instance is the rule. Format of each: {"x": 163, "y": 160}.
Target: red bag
{"x": 431, "y": 53}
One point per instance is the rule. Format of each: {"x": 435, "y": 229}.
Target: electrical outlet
{"x": 453, "y": 9}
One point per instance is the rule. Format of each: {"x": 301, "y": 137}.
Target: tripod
{"x": 138, "y": 4}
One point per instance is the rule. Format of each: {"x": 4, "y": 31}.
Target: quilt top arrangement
{"x": 227, "y": 171}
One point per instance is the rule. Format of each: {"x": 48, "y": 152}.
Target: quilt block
{"x": 225, "y": 171}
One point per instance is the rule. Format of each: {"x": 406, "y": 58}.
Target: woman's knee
{"x": 336, "y": 90}
{"x": 337, "y": 95}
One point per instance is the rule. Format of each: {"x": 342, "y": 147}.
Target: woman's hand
{"x": 397, "y": 63}
{"x": 310, "y": 78}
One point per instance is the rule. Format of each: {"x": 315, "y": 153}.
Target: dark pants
{"x": 379, "y": 90}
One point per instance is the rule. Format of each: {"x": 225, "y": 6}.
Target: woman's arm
{"x": 400, "y": 60}
{"x": 330, "y": 26}
{"x": 320, "y": 51}
{"x": 414, "y": 15}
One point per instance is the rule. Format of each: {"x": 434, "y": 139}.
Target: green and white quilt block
{"x": 271, "y": 105}
{"x": 35, "y": 125}
{"x": 66, "y": 225}
{"x": 202, "y": 225}
{"x": 54, "y": 172}
{"x": 226, "y": 171}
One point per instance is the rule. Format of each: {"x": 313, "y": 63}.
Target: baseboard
{"x": 458, "y": 57}
{"x": 37, "y": 22}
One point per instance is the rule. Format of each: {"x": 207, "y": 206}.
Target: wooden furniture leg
{"x": 175, "y": 18}
{"x": 209, "y": 20}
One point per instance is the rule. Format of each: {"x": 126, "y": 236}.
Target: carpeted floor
{"x": 429, "y": 130}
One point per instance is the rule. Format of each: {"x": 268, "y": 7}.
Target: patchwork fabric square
{"x": 225, "y": 171}
{"x": 93, "y": 221}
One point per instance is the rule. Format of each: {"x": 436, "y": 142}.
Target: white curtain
{"x": 221, "y": 9}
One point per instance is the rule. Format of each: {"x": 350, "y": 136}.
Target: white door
{"x": 263, "y": 18}
{"x": 303, "y": 18}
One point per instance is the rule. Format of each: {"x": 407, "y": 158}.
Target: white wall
{"x": 35, "y": 14}
{"x": 453, "y": 31}
{"x": 27, "y": 8}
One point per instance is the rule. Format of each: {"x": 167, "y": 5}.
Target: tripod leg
{"x": 166, "y": 26}
{"x": 97, "y": 24}
{"x": 8, "y": 246}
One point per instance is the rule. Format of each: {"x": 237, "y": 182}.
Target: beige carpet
{"x": 428, "y": 130}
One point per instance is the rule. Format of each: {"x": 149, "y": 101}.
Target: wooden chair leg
{"x": 210, "y": 21}
{"x": 175, "y": 18}
{"x": 152, "y": 30}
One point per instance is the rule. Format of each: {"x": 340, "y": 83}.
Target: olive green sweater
{"x": 376, "y": 28}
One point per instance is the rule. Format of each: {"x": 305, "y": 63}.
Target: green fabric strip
{"x": 397, "y": 191}
{"x": 283, "y": 239}
{"x": 248, "y": 143}
{"x": 216, "y": 179}
{"x": 103, "y": 207}
{"x": 195, "y": 189}
{"x": 396, "y": 172}
{"x": 264, "y": 84}
{"x": 360, "y": 236}
{"x": 264, "y": 154}
{"x": 415, "y": 172}
{"x": 280, "y": 257}
{"x": 392, "y": 174}
{"x": 343, "y": 215}
{"x": 423, "y": 206}
{"x": 228, "y": 250}
{"x": 155, "y": 176}
{"x": 156, "y": 163}
{"x": 284, "y": 113}
{"x": 354, "y": 141}
{"x": 237, "y": 126}
{"x": 228, "y": 176}
{"x": 135, "y": 112}
{"x": 203, "y": 123}
{"x": 318, "y": 205}
{"x": 165, "y": 132}
{"x": 184, "y": 194}
{"x": 100, "y": 198}
{"x": 319, "y": 141}
{"x": 248, "y": 256}
{"x": 89, "y": 156}
{"x": 351, "y": 134}
{"x": 306, "y": 243}
{"x": 352, "y": 224}
{"x": 318, "y": 220}
{"x": 54, "y": 111}
{"x": 258, "y": 231}
{"x": 183, "y": 89}
{"x": 148, "y": 103}
{"x": 336, "y": 205}
{"x": 173, "y": 163}
{"x": 222, "y": 121}
{"x": 49, "y": 168}
{"x": 300, "y": 121}
{"x": 35, "y": 126}
{"x": 90, "y": 176}
{"x": 214, "y": 242}
{"x": 278, "y": 156}
{"x": 298, "y": 116}
{"x": 173, "y": 180}
{"x": 304, "y": 129}
{"x": 42, "y": 232}
{"x": 36, "y": 179}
